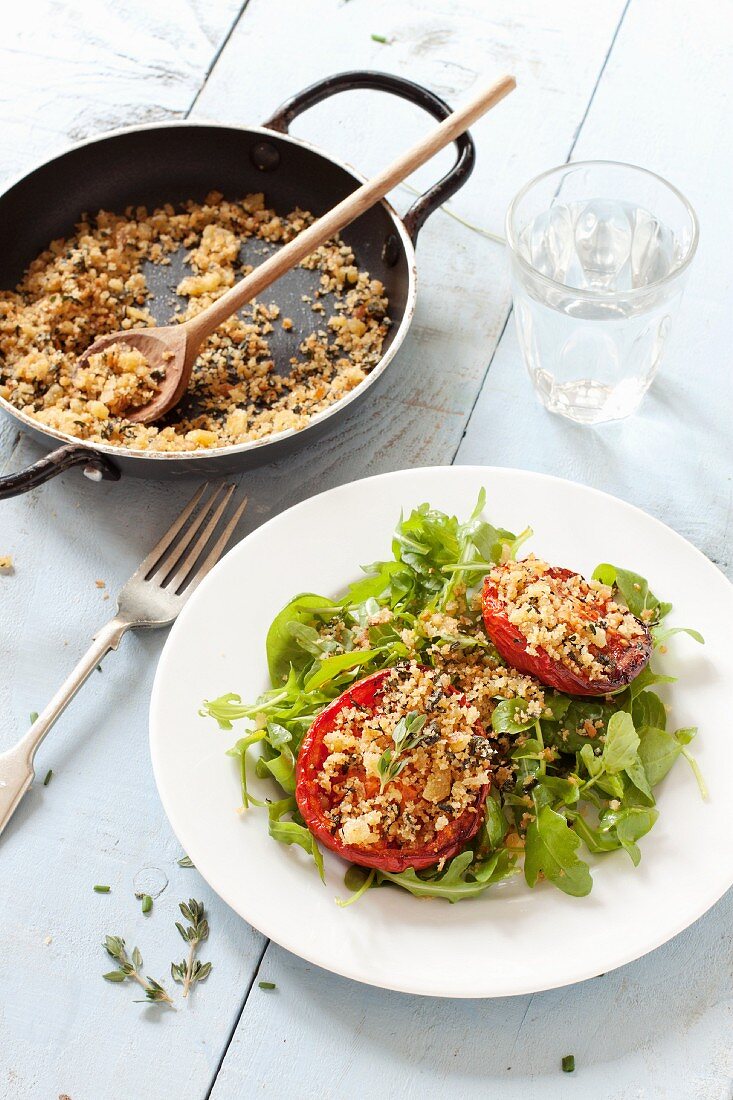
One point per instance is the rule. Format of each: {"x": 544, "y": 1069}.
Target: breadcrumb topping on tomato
{"x": 569, "y": 618}
{"x": 440, "y": 775}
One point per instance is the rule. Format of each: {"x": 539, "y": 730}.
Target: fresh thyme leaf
{"x": 405, "y": 736}
{"x": 190, "y": 970}
{"x": 129, "y": 968}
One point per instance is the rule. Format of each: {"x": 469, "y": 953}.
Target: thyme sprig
{"x": 407, "y": 735}
{"x": 191, "y": 970}
{"x": 129, "y": 969}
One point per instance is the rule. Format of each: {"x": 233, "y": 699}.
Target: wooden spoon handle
{"x": 346, "y": 211}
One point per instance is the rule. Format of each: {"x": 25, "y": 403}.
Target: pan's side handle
{"x": 423, "y": 207}
{"x": 97, "y": 467}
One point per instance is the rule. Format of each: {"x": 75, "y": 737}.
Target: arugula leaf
{"x": 292, "y": 832}
{"x": 622, "y": 743}
{"x": 661, "y": 636}
{"x": 646, "y": 679}
{"x": 283, "y": 643}
{"x": 628, "y": 825}
{"x": 550, "y": 848}
{"x": 454, "y": 883}
{"x": 634, "y": 590}
{"x": 658, "y": 751}
{"x": 647, "y": 710}
{"x": 504, "y": 716}
{"x": 338, "y": 662}
{"x": 239, "y": 751}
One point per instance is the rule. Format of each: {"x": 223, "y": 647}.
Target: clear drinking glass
{"x": 599, "y": 253}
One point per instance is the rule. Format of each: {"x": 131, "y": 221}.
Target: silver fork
{"x": 153, "y": 597}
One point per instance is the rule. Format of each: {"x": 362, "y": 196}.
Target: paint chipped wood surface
{"x": 644, "y": 82}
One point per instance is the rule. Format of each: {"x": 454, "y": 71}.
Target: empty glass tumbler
{"x": 598, "y": 253}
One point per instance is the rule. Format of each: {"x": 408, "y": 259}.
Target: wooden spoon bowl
{"x": 173, "y": 349}
{"x": 165, "y": 350}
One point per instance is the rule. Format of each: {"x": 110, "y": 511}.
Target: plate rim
{"x": 616, "y": 959}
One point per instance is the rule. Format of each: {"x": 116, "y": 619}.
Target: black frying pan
{"x": 175, "y": 161}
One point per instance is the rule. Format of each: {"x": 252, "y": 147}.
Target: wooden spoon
{"x": 173, "y": 349}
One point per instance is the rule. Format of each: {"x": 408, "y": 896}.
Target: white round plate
{"x": 510, "y": 940}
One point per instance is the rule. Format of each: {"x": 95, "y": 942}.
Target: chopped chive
{"x": 33, "y": 716}
{"x": 49, "y": 775}
{"x": 267, "y": 985}
{"x": 568, "y": 1063}
{"x": 101, "y": 889}
{"x": 147, "y": 903}
{"x": 379, "y": 38}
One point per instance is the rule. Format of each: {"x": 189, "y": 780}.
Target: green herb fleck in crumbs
{"x": 147, "y": 903}
{"x": 185, "y": 861}
{"x": 191, "y": 970}
{"x": 33, "y": 716}
{"x": 568, "y": 1063}
{"x": 102, "y": 889}
{"x": 407, "y": 735}
{"x": 267, "y": 985}
{"x": 49, "y": 776}
{"x": 129, "y": 969}
{"x": 381, "y": 38}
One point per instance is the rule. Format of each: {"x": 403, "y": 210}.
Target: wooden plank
{"x": 660, "y": 104}
{"x": 418, "y": 415}
{"x": 72, "y": 70}
{"x": 64, "y": 1030}
{"x": 641, "y": 1031}
{"x": 654, "y": 1029}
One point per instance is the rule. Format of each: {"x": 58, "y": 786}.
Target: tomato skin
{"x": 312, "y": 754}
{"x": 627, "y": 660}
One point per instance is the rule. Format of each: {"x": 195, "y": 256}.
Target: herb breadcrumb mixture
{"x": 93, "y": 283}
{"x": 442, "y": 770}
{"x": 559, "y": 617}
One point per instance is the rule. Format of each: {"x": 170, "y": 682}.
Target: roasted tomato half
{"x": 411, "y": 807}
{"x": 564, "y": 630}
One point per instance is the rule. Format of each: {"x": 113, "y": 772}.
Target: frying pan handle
{"x": 97, "y": 467}
{"x": 423, "y": 207}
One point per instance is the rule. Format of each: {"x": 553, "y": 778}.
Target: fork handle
{"x": 16, "y": 765}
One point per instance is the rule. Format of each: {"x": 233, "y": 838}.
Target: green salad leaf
{"x": 551, "y": 849}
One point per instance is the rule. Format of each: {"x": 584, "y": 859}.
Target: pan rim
{"x": 277, "y": 437}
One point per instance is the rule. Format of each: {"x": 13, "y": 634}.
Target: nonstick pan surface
{"x": 171, "y": 162}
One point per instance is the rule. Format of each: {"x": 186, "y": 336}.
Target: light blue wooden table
{"x": 648, "y": 81}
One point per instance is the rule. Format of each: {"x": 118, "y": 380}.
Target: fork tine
{"x": 160, "y": 548}
{"x": 216, "y": 551}
{"x": 176, "y": 581}
{"x": 168, "y": 562}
